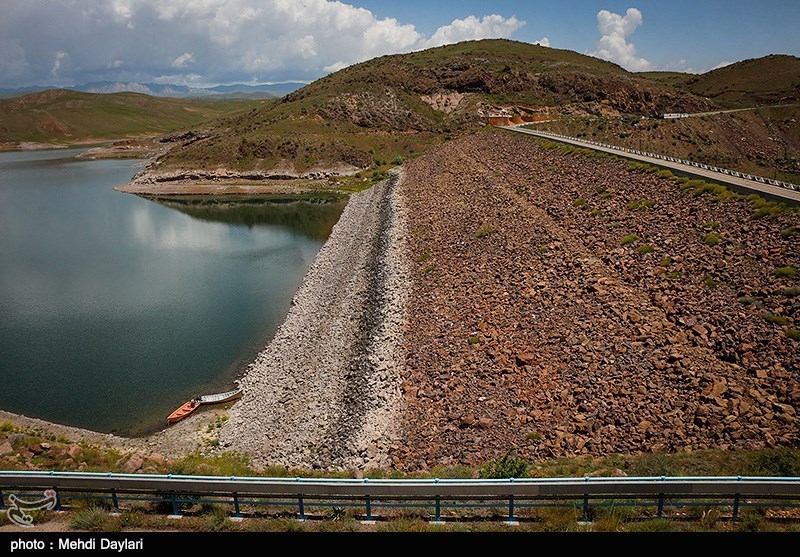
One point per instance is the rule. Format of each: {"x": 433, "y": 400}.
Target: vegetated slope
{"x": 59, "y": 115}
{"x": 772, "y": 79}
{"x": 763, "y": 141}
{"x": 373, "y": 112}
{"x": 563, "y": 304}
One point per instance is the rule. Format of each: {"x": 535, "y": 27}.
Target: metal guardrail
{"x": 434, "y": 494}
{"x": 726, "y": 171}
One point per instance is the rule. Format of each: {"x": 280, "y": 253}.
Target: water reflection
{"x": 311, "y": 217}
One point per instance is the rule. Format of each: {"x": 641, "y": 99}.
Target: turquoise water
{"x": 115, "y": 309}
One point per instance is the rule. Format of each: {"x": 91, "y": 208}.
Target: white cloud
{"x": 470, "y": 28}
{"x": 722, "y": 64}
{"x": 613, "y": 44}
{"x": 222, "y": 40}
{"x": 544, "y": 41}
{"x": 183, "y": 60}
{"x": 60, "y": 55}
{"x": 335, "y": 67}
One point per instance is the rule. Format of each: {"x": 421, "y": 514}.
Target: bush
{"x": 791, "y": 292}
{"x": 786, "y": 272}
{"x": 93, "y": 519}
{"x": 508, "y": 466}
{"x": 666, "y": 262}
{"x": 485, "y": 230}
{"x": 747, "y": 300}
{"x": 793, "y": 334}
{"x": 641, "y": 204}
{"x": 772, "y": 318}
{"x": 713, "y": 239}
{"x": 579, "y": 202}
{"x": 711, "y": 225}
{"x": 629, "y": 239}
{"x": 790, "y": 232}
{"x": 709, "y": 281}
{"x": 646, "y": 248}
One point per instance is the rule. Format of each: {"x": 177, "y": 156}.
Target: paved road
{"x": 793, "y": 196}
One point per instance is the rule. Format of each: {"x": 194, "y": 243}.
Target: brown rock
{"x": 74, "y": 451}
{"x": 484, "y": 423}
{"x": 525, "y": 359}
{"x": 133, "y": 464}
{"x": 6, "y": 448}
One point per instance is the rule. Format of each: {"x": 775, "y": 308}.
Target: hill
{"x": 236, "y": 90}
{"x": 60, "y": 115}
{"x": 772, "y": 79}
{"x": 393, "y": 106}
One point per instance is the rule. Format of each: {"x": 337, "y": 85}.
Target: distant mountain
{"x": 60, "y": 115}
{"x": 237, "y": 90}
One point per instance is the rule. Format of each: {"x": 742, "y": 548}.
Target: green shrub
{"x": 595, "y": 212}
{"x": 786, "y": 272}
{"x": 709, "y": 281}
{"x": 793, "y": 334}
{"x": 629, "y": 239}
{"x": 641, "y": 204}
{"x": 666, "y": 262}
{"x": 674, "y": 275}
{"x": 646, "y": 248}
{"x": 508, "y": 466}
{"x": 7, "y": 426}
{"x": 666, "y": 174}
{"x": 93, "y": 519}
{"x": 712, "y": 225}
{"x": 747, "y": 300}
{"x": 772, "y": 318}
{"x": 713, "y": 239}
{"x": 485, "y": 230}
{"x": 474, "y": 340}
{"x": 580, "y": 202}
{"x": 426, "y": 254}
{"x": 790, "y": 232}
{"x": 791, "y": 292}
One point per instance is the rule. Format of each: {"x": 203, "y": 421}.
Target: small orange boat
{"x": 189, "y": 407}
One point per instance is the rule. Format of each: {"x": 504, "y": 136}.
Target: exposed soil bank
{"x": 325, "y": 392}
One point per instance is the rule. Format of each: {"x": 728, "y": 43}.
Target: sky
{"x": 208, "y": 42}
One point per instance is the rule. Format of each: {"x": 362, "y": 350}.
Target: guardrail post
{"x": 114, "y": 500}
{"x": 58, "y": 499}
{"x": 660, "y": 505}
{"x": 511, "y": 518}
{"x": 236, "y": 511}
{"x": 368, "y": 509}
{"x": 585, "y": 517}
{"x": 736, "y": 507}
{"x": 2, "y": 502}
{"x": 175, "y": 510}
{"x": 438, "y": 511}
{"x": 301, "y": 512}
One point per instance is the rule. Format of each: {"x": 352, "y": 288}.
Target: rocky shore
{"x": 564, "y": 305}
{"x": 325, "y": 393}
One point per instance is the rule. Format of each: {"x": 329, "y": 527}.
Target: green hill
{"x": 769, "y": 80}
{"x": 59, "y": 115}
{"x": 393, "y": 106}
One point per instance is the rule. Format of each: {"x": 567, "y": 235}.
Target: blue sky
{"x": 206, "y": 42}
{"x": 704, "y": 33}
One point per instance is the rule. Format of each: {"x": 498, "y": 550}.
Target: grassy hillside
{"x": 394, "y": 106}
{"x": 368, "y": 115}
{"x": 769, "y": 80}
{"x": 69, "y": 116}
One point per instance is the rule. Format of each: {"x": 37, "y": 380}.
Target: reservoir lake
{"x": 115, "y": 309}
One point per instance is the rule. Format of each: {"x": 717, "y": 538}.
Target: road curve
{"x": 790, "y": 195}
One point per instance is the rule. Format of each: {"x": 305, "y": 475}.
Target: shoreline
{"x": 325, "y": 392}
